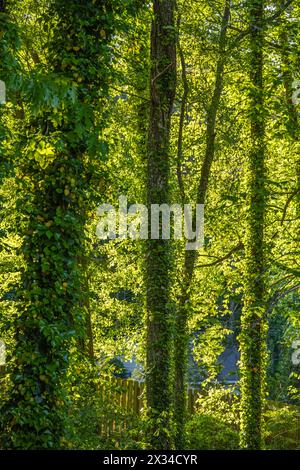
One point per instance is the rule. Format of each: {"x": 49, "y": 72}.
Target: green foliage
{"x": 97, "y": 419}
{"x": 208, "y": 433}
{"x": 282, "y": 428}
{"x": 216, "y": 428}
{"x": 223, "y": 403}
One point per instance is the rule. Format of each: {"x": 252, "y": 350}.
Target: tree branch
{"x": 236, "y": 248}
{"x": 181, "y": 120}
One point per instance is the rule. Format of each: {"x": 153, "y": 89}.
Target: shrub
{"x": 282, "y": 428}
{"x": 206, "y": 432}
{"x": 222, "y": 403}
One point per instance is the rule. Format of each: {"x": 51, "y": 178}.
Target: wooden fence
{"x": 123, "y": 401}
{"x": 129, "y": 394}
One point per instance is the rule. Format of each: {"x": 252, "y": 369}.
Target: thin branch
{"x": 289, "y": 199}
{"x": 130, "y": 94}
{"x": 278, "y": 13}
{"x": 181, "y": 120}
{"x": 295, "y": 272}
{"x": 161, "y": 73}
{"x": 288, "y": 276}
{"x": 236, "y": 248}
{"x": 7, "y": 246}
{"x": 270, "y": 19}
{"x": 274, "y": 299}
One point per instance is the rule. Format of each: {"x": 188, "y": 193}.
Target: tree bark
{"x": 159, "y": 315}
{"x": 252, "y": 338}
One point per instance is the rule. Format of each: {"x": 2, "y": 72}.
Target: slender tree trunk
{"x": 159, "y": 316}
{"x": 181, "y": 338}
{"x": 289, "y": 66}
{"x": 8, "y": 41}
{"x": 293, "y": 127}
{"x": 252, "y": 338}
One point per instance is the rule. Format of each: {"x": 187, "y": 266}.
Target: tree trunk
{"x": 159, "y": 315}
{"x": 52, "y": 205}
{"x": 181, "y": 338}
{"x": 293, "y": 128}
{"x": 252, "y": 338}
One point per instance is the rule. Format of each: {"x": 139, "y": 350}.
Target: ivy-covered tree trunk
{"x": 159, "y": 315}
{"x": 181, "y": 326}
{"x": 8, "y": 70}
{"x": 2, "y": 126}
{"x": 253, "y": 325}
{"x": 3, "y": 77}
{"x": 60, "y": 149}
{"x": 289, "y": 70}
{"x": 289, "y": 67}
{"x": 9, "y": 89}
